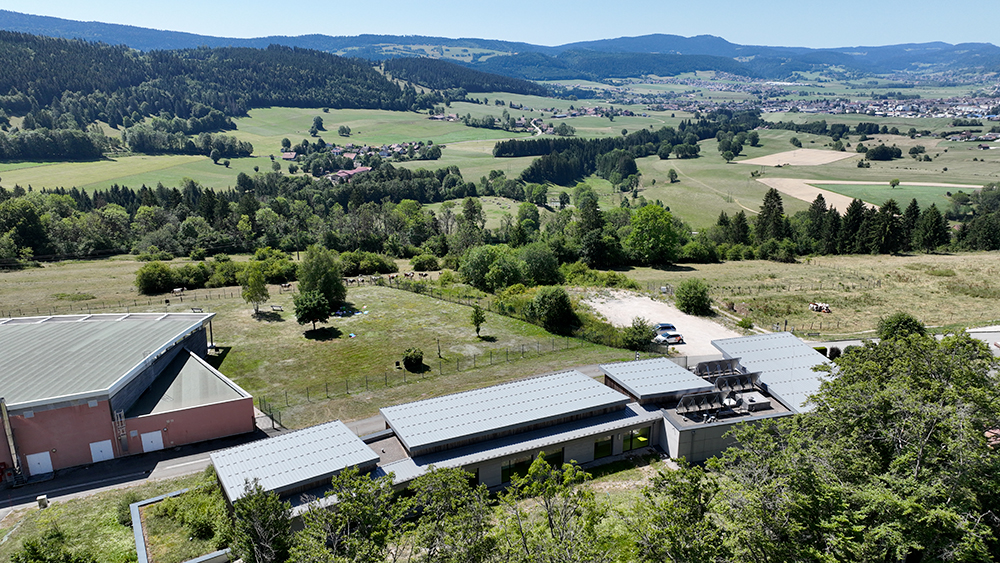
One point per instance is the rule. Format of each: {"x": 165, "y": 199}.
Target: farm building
{"x": 82, "y": 389}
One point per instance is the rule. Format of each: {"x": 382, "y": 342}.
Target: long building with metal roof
{"x": 80, "y": 389}
{"x": 292, "y": 462}
{"x": 455, "y": 420}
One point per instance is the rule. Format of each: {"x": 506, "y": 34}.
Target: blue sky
{"x": 805, "y": 23}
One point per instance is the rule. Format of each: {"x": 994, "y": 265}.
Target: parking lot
{"x": 620, "y": 307}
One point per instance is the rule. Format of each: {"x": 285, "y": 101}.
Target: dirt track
{"x": 620, "y": 307}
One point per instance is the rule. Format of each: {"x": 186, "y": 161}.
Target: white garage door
{"x": 152, "y": 441}
{"x": 101, "y": 451}
{"x": 39, "y": 464}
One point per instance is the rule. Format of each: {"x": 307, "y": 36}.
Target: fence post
{"x": 440, "y": 367}
{"x": 286, "y": 397}
{"x": 328, "y": 390}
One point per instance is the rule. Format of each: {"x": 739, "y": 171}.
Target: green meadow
{"x": 878, "y": 194}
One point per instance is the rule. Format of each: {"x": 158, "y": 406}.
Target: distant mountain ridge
{"x": 653, "y": 54}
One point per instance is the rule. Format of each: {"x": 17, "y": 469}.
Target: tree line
{"x": 442, "y": 75}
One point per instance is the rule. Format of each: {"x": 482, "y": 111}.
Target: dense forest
{"x": 599, "y": 66}
{"x": 443, "y": 75}
{"x": 566, "y": 160}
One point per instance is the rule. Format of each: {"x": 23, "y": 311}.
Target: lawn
{"x": 878, "y": 194}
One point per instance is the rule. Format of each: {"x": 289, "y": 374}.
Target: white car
{"x": 668, "y": 338}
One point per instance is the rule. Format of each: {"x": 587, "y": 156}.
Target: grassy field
{"x": 89, "y": 524}
{"x": 946, "y": 291}
{"x": 132, "y": 171}
{"x": 878, "y": 194}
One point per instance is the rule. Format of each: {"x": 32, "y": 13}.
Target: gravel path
{"x": 620, "y": 307}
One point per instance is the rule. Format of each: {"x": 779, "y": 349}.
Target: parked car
{"x": 668, "y": 338}
{"x": 664, "y": 327}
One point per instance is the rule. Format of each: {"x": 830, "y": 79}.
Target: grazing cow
{"x": 178, "y": 290}
{"x": 286, "y": 286}
{"x": 424, "y": 274}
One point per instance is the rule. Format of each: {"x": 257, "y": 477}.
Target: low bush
{"x": 413, "y": 359}
{"x": 425, "y": 263}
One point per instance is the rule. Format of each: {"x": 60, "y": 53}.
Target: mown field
{"x": 878, "y": 193}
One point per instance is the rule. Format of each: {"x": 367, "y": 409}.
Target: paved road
{"x": 77, "y": 482}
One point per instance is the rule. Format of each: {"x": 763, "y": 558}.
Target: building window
{"x": 516, "y": 466}
{"x": 603, "y": 447}
{"x": 555, "y": 458}
{"x": 473, "y": 477}
{"x": 635, "y": 439}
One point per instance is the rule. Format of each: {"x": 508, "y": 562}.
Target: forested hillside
{"x": 598, "y": 66}
{"x": 442, "y": 75}
{"x": 96, "y": 81}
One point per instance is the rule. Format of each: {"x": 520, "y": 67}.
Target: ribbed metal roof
{"x": 633, "y": 414}
{"x": 46, "y": 359}
{"x": 656, "y": 377}
{"x": 288, "y": 460}
{"x": 482, "y": 412}
{"x": 785, "y": 364}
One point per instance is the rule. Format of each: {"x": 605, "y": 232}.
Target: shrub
{"x": 413, "y": 359}
{"x": 899, "y": 325}
{"x": 834, "y": 353}
{"x": 447, "y": 278}
{"x": 154, "y": 277}
{"x": 697, "y": 253}
{"x": 197, "y": 254}
{"x": 745, "y": 324}
{"x": 154, "y": 254}
{"x": 552, "y": 309}
{"x": 123, "y": 509}
{"x": 425, "y": 263}
{"x": 362, "y": 263}
{"x": 692, "y": 297}
{"x": 637, "y": 336}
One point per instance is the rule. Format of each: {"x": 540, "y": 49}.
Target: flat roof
{"x": 290, "y": 460}
{"x": 632, "y": 415}
{"x": 656, "y": 377}
{"x": 49, "y": 359}
{"x": 187, "y": 382}
{"x": 785, "y": 364}
{"x": 482, "y": 412}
